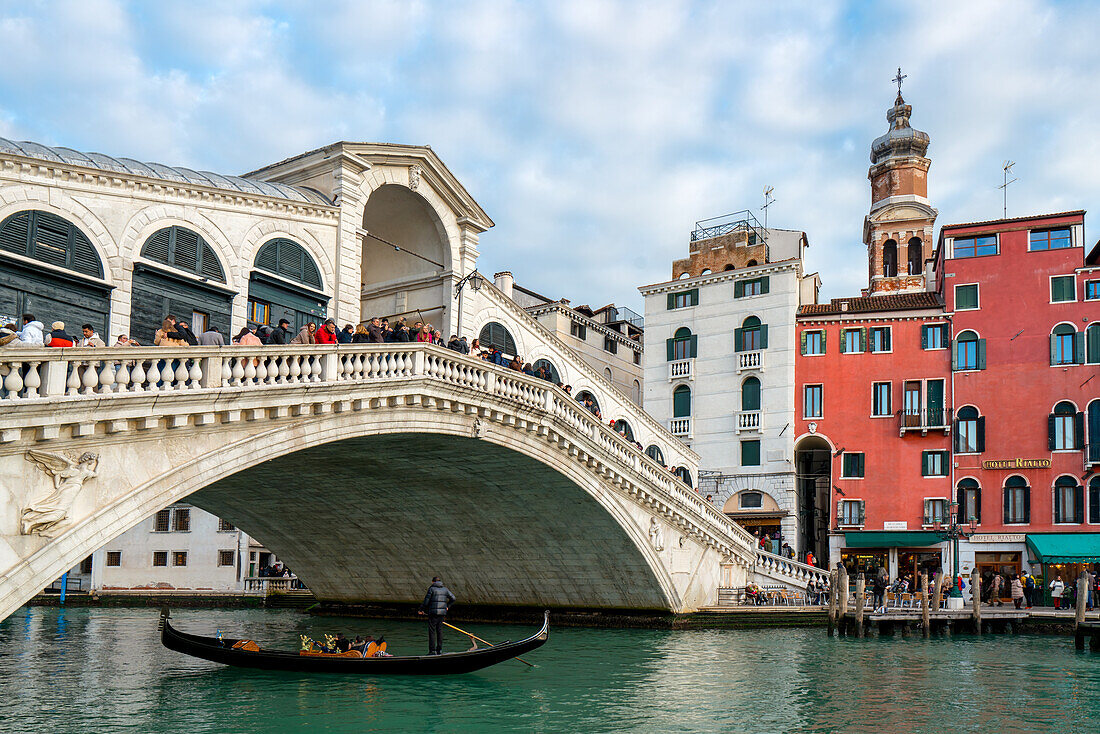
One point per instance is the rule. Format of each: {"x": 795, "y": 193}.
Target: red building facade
{"x": 971, "y": 378}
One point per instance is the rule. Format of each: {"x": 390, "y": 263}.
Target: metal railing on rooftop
{"x": 742, "y": 221}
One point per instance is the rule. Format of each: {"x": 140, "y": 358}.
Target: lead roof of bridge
{"x": 160, "y": 171}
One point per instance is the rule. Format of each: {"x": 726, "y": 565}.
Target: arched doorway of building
{"x": 407, "y": 281}
{"x": 813, "y": 466}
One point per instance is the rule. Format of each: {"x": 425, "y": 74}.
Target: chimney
{"x": 504, "y": 281}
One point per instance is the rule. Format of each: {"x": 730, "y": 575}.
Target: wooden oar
{"x": 468, "y": 634}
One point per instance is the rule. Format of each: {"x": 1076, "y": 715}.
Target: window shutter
{"x": 670, "y": 343}
{"x": 1078, "y": 504}
{"x": 693, "y": 297}
{"x": 863, "y": 339}
{"x": 802, "y": 340}
{"x": 15, "y": 234}
{"x": 843, "y": 341}
{"x": 1053, "y": 349}
{"x": 888, "y": 332}
{"x": 738, "y": 341}
{"x": 958, "y": 438}
{"x": 763, "y": 336}
{"x": 924, "y": 463}
{"x": 765, "y": 283}
{"x": 1027, "y": 504}
{"x": 981, "y": 354}
{"x": 862, "y": 512}
{"x": 927, "y": 512}
{"x": 981, "y": 433}
{"x": 1079, "y": 347}
{"x": 1057, "y": 505}
{"x": 955, "y": 355}
{"x": 1079, "y": 431}
{"x": 671, "y": 302}
{"x": 1007, "y": 517}
{"x": 1094, "y": 502}
{"x": 924, "y": 337}
{"x": 1050, "y": 431}
{"x": 693, "y": 345}
{"x": 859, "y": 463}
{"x": 824, "y": 333}
{"x": 739, "y": 289}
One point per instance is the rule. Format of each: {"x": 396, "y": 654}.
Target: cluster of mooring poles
{"x": 929, "y": 618}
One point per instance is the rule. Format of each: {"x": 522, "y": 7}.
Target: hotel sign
{"x": 1016, "y": 464}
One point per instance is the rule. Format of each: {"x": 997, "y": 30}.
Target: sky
{"x": 594, "y": 133}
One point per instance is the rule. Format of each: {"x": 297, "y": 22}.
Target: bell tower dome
{"x": 898, "y": 229}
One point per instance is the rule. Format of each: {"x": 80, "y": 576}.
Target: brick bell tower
{"x": 898, "y": 229}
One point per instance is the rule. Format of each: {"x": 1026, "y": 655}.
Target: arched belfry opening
{"x": 406, "y": 280}
{"x": 813, "y": 466}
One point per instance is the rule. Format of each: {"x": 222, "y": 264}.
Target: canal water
{"x": 104, "y": 670}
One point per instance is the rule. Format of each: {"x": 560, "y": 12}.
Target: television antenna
{"x": 768, "y": 201}
{"x": 1007, "y": 167}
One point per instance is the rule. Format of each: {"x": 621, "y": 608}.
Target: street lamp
{"x": 475, "y": 280}
{"x": 953, "y": 532}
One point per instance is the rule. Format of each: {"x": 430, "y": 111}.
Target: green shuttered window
{"x": 50, "y": 239}
{"x": 184, "y": 250}
{"x": 683, "y": 299}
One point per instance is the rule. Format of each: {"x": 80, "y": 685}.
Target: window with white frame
{"x": 851, "y": 512}
{"x": 812, "y": 401}
{"x": 880, "y": 399}
{"x": 935, "y": 510}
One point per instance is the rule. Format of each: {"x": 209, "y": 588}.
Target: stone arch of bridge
{"x": 558, "y": 537}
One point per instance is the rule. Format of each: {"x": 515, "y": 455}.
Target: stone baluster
{"x": 13, "y": 382}
{"x": 33, "y": 380}
{"x": 122, "y": 377}
{"x": 137, "y": 376}
{"x": 195, "y": 373}
{"x": 107, "y": 377}
{"x": 249, "y": 371}
{"x": 72, "y": 384}
{"x": 153, "y": 376}
{"x": 89, "y": 378}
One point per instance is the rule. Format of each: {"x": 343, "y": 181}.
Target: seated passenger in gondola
{"x": 342, "y": 644}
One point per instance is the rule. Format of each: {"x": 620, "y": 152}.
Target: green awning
{"x": 1065, "y": 547}
{"x": 889, "y": 539}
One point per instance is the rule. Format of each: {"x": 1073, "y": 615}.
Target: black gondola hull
{"x": 221, "y": 651}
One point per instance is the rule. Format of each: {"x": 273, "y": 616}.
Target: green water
{"x": 104, "y": 670}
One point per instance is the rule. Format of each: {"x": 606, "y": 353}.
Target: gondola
{"x": 222, "y": 650}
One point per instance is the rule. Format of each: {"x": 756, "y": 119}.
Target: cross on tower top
{"x": 899, "y": 79}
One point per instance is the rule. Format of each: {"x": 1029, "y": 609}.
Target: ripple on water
{"x": 104, "y": 670}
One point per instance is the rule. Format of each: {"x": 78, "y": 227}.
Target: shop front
{"x": 1065, "y": 556}
{"x": 901, "y": 553}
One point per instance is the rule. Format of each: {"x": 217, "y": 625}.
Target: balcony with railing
{"x": 268, "y": 585}
{"x": 923, "y": 420}
{"x": 681, "y": 369}
{"x": 750, "y": 361}
{"x": 680, "y": 427}
{"x": 748, "y": 420}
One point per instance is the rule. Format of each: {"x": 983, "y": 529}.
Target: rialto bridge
{"x": 368, "y": 468}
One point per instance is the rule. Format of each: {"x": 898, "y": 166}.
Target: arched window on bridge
{"x": 588, "y": 400}
{"x": 624, "y": 428}
{"x": 685, "y": 475}
{"x": 168, "y": 286}
{"x": 551, "y": 370}
{"x": 681, "y": 402}
{"x": 295, "y": 295}
{"x": 50, "y": 296}
{"x": 654, "y": 452}
{"x": 495, "y": 336}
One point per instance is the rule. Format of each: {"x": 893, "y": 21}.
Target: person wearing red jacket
{"x": 327, "y": 333}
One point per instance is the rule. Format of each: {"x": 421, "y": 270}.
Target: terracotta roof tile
{"x": 875, "y": 304}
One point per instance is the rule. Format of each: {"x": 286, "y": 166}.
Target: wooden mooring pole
{"x": 861, "y": 586}
{"x": 1079, "y": 617}
{"x": 833, "y": 602}
{"x": 976, "y": 593}
{"x": 841, "y": 592}
{"x": 924, "y": 620}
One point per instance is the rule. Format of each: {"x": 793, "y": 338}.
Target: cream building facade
{"x": 720, "y": 360}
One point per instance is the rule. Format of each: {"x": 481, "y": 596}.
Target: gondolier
{"x": 436, "y": 603}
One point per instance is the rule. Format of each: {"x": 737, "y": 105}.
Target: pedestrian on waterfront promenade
{"x": 1056, "y": 587}
{"x": 995, "y": 591}
{"x": 437, "y": 602}
{"x": 1017, "y": 590}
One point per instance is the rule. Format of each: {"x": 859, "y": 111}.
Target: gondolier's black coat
{"x": 438, "y": 600}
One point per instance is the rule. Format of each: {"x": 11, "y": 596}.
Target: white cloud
{"x": 594, "y": 132}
